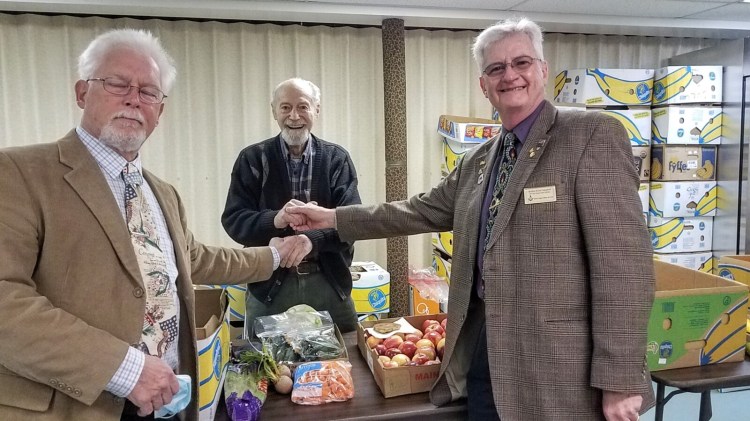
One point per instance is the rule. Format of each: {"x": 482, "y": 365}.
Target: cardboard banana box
{"x": 697, "y": 319}
{"x": 596, "y": 87}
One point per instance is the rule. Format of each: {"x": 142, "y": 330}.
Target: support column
{"x": 394, "y": 83}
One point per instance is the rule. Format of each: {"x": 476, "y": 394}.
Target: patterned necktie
{"x": 160, "y": 321}
{"x": 507, "y": 161}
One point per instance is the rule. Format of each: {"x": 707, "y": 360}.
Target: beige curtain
{"x": 220, "y": 102}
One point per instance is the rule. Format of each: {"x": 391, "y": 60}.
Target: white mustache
{"x": 130, "y": 114}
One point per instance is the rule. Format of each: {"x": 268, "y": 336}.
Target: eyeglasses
{"x": 119, "y": 87}
{"x": 519, "y": 64}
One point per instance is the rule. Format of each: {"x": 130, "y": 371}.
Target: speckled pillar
{"x": 394, "y": 82}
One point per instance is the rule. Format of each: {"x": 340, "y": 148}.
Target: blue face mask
{"x": 180, "y": 401}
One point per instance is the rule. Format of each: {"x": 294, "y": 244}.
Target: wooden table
{"x": 701, "y": 380}
{"x": 368, "y": 402}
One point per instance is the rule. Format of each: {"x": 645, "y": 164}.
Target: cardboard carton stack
{"x": 458, "y": 135}
{"x": 686, "y": 127}
{"x": 624, "y": 94}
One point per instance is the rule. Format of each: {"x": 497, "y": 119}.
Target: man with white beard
{"x": 98, "y": 263}
{"x": 295, "y": 166}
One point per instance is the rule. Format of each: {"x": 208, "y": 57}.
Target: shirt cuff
{"x": 126, "y": 377}
{"x": 276, "y": 257}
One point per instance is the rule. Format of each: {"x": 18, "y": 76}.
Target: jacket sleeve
{"x": 245, "y": 218}
{"x": 619, "y": 253}
{"x": 343, "y": 184}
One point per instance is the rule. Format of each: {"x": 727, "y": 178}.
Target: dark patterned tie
{"x": 160, "y": 319}
{"x": 507, "y": 161}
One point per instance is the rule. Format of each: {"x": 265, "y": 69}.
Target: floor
{"x": 727, "y": 406}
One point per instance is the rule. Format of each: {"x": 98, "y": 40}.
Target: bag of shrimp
{"x": 322, "y": 382}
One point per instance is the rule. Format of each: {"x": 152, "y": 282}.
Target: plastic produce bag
{"x": 429, "y": 284}
{"x": 322, "y": 382}
{"x": 245, "y": 390}
{"x": 299, "y": 334}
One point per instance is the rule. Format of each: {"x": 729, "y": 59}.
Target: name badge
{"x": 539, "y": 195}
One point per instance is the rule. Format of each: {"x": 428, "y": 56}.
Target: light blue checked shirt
{"x": 111, "y": 164}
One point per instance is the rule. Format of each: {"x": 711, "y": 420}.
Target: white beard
{"x": 122, "y": 140}
{"x": 296, "y": 137}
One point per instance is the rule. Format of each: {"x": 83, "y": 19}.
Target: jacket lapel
{"x": 532, "y": 151}
{"x": 87, "y": 180}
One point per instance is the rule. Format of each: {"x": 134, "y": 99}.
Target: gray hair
{"x": 136, "y": 39}
{"x": 305, "y": 85}
{"x": 502, "y": 29}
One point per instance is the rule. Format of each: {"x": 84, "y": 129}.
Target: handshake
{"x": 301, "y": 217}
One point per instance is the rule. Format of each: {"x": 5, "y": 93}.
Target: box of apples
{"x": 403, "y": 354}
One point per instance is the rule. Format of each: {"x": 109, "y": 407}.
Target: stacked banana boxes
{"x": 686, "y": 128}
{"x": 737, "y": 268}
{"x": 458, "y": 135}
{"x": 624, "y": 94}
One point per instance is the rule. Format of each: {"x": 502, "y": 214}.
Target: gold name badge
{"x": 539, "y": 195}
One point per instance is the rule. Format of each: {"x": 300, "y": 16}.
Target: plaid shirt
{"x": 300, "y": 170}
{"x": 111, "y": 164}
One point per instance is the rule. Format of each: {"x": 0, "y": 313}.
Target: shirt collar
{"x": 108, "y": 159}
{"x": 305, "y": 154}
{"x": 524, "y": 127}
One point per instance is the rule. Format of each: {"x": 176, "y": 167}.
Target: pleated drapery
{"x": 221, "y": 100}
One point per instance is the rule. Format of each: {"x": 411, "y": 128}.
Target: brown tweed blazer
{"x": 71, "y": 291}
{"x": 569, "y": 283}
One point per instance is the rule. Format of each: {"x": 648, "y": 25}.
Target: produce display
{"x": 417, "y": 347}
{"x": 281, "y": 341}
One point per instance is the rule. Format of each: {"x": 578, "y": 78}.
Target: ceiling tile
{"x": 732, "y": 12}
{"x": 628, "y": 8}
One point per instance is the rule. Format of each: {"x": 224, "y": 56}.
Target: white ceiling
{"x": 679, "y": 18}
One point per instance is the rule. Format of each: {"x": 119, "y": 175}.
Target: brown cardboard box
{"x": 212, "y": 332}
{"x": 399, "y": 380}
{"x": 697, "y": 319}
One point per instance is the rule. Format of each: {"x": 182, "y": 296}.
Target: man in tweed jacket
{"x": 548, "y": 310}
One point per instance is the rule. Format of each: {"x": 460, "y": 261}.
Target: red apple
{"x": 400, "y": 359}
{"x": 428, "y": 351}
{"x": 444, "y": 322}
{"x": 408, "y": 348}
{"x": 393, "y": 341}
{"x": 380, "y": 349}
{"x": 440, "y": 347}
{"x": 389, "y": 364}
{"x": 427, "y": 323}
{"x": 418, "y": 332}
{"x": 383, "y": 359}
{"x": 436, "y": 328}
{"x": 372, "y": 341}
{"x": 420, "y": 358}
{"x": 433, "y": 336}
{"x": 413, "y": 337}
{"x": 392, "y": 352}
{"x": 424, "y": 342}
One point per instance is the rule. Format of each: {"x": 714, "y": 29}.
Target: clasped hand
{"x": 292, "y": 249}
{"x": 305, "y": 216}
